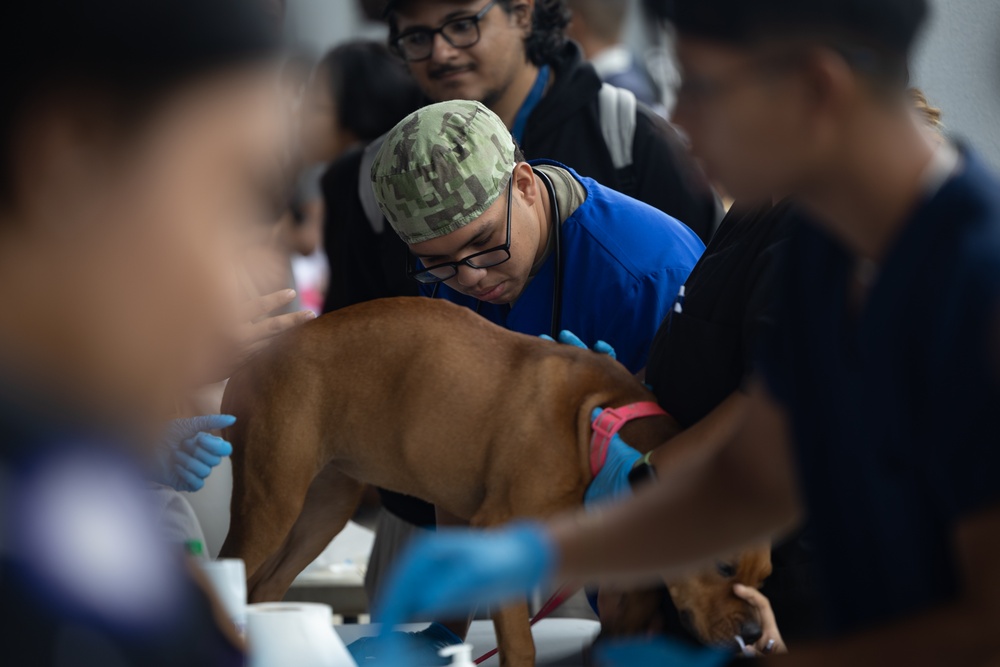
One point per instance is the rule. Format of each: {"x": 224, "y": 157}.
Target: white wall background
{"x": 958, "y": 66}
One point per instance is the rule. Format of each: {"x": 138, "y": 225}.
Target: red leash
{"x": 554, "y": 602}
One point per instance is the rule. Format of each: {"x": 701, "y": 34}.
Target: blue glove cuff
{"x": 612, "y": 481}
{"x": 536, "y": 539}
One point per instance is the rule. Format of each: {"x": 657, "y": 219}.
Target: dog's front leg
{"x": 517, "y": 648}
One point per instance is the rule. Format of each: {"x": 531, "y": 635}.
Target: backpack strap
{"x": 365, "y": 192}
{"x": 618, "y": 109}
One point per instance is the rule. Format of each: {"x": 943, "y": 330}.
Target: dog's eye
{"x": 727, "y": 570}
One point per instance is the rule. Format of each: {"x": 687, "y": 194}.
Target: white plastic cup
{"x": 294, "y": 633}
{"x": 228, "y": 580}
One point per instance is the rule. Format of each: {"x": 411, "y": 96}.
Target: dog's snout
{"x": 751, "y": 632}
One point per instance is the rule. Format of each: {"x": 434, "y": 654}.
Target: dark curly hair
{"x": 548, "y": 27}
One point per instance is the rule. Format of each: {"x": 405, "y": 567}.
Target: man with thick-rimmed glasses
{"x": 533, "y": 247}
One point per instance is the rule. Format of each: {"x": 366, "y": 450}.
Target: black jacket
{"x": 566, "y": 127}
{"x": 364, "y": 264}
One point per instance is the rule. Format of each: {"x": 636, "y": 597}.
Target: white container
{"x": 461, "y": 655}
{"x": 280, "y": 634}
{"x": 228, "y": 579}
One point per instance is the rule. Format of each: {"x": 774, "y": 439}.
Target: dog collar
{"x": 607, "y": 425}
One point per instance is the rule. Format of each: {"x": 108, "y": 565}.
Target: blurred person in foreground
{"x": 874, "y": 411}
{"x": 137, "y": 142}
{"x": 357, "y": 93}
{"x": 598, "y": 26}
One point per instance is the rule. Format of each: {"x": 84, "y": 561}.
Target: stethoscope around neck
{"x": 557, "y": 286}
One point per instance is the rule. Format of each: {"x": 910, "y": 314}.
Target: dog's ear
{"x": 754, "y": 566}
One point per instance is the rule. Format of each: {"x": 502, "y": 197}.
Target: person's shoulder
{"x": 639, "y": 238}
{"x": 970, "y": 204}
{"x": 654, "y": 131}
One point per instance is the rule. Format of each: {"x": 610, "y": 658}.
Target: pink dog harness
{"x": 610, "y": 422}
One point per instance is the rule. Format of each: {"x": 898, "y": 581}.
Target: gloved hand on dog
{"x": 612, "y": 482}
{"x": 450, "y": 571}
{"x": 187, "y": 453}
{"x": 570, "y": 338}
{"x": 421, "y": 647}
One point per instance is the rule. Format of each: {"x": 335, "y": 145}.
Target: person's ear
{"x": 831, "y": 90}
{"x": 522, "y": 13}
{"x": 525, "y": 184}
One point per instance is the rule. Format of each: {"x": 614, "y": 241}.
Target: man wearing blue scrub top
{"x": 535, "y": 248}
{"x": 609, "y": 268}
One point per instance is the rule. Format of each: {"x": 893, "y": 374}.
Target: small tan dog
{"x": 428, "y": 399}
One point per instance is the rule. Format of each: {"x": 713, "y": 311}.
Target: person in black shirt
{"x": 138, "y": 141}
{"x": 357, "y": 93}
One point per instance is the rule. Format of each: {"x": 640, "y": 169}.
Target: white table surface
{"x": 558, "y": 641}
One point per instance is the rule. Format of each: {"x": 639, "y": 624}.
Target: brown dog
{"x": 424, "y": 398}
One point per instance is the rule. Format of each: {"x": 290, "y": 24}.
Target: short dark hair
{"x": 132, "y": 52}
{"x": 885, "y": 26}
{"x": 548, "y": 27}
{"x": 371, "y": 88}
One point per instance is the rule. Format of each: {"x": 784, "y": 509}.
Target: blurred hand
{"x": 453, "y": 571}
{"x": 187, "y": 453}
{"x": 770, "y": 640}
{"x": 256, "y": 328}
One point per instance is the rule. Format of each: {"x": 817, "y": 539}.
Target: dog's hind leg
{"x": 275, "y": 458}
{"x": 512, "y": 623}
{"x": 332, "y": 499}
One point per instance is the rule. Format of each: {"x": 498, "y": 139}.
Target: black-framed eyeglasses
{"x": 463, "y": 32}
{"x": 486, "y": 259}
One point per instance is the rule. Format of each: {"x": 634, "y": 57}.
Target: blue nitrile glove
{"x": 452, "y": 571}
{"x": 186, "y": 454}
{"x": 612, "y": 481}
{"x": 422, "y": 647}
{"x": 570, "y": 338}
{"x": 657, "y": 652}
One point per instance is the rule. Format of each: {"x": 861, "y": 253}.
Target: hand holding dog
{"x": 770, "y": 641}
{"x": 570, "y": 338}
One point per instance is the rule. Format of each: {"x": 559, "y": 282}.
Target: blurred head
{"x": 773, "y": 89}
{"x": 359, "y": 91}
{"x": 597, "y": 24}
{"x": 452, "y": 183}
{"x": 509, "y": 36}
{"x": 134, "y": 150}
